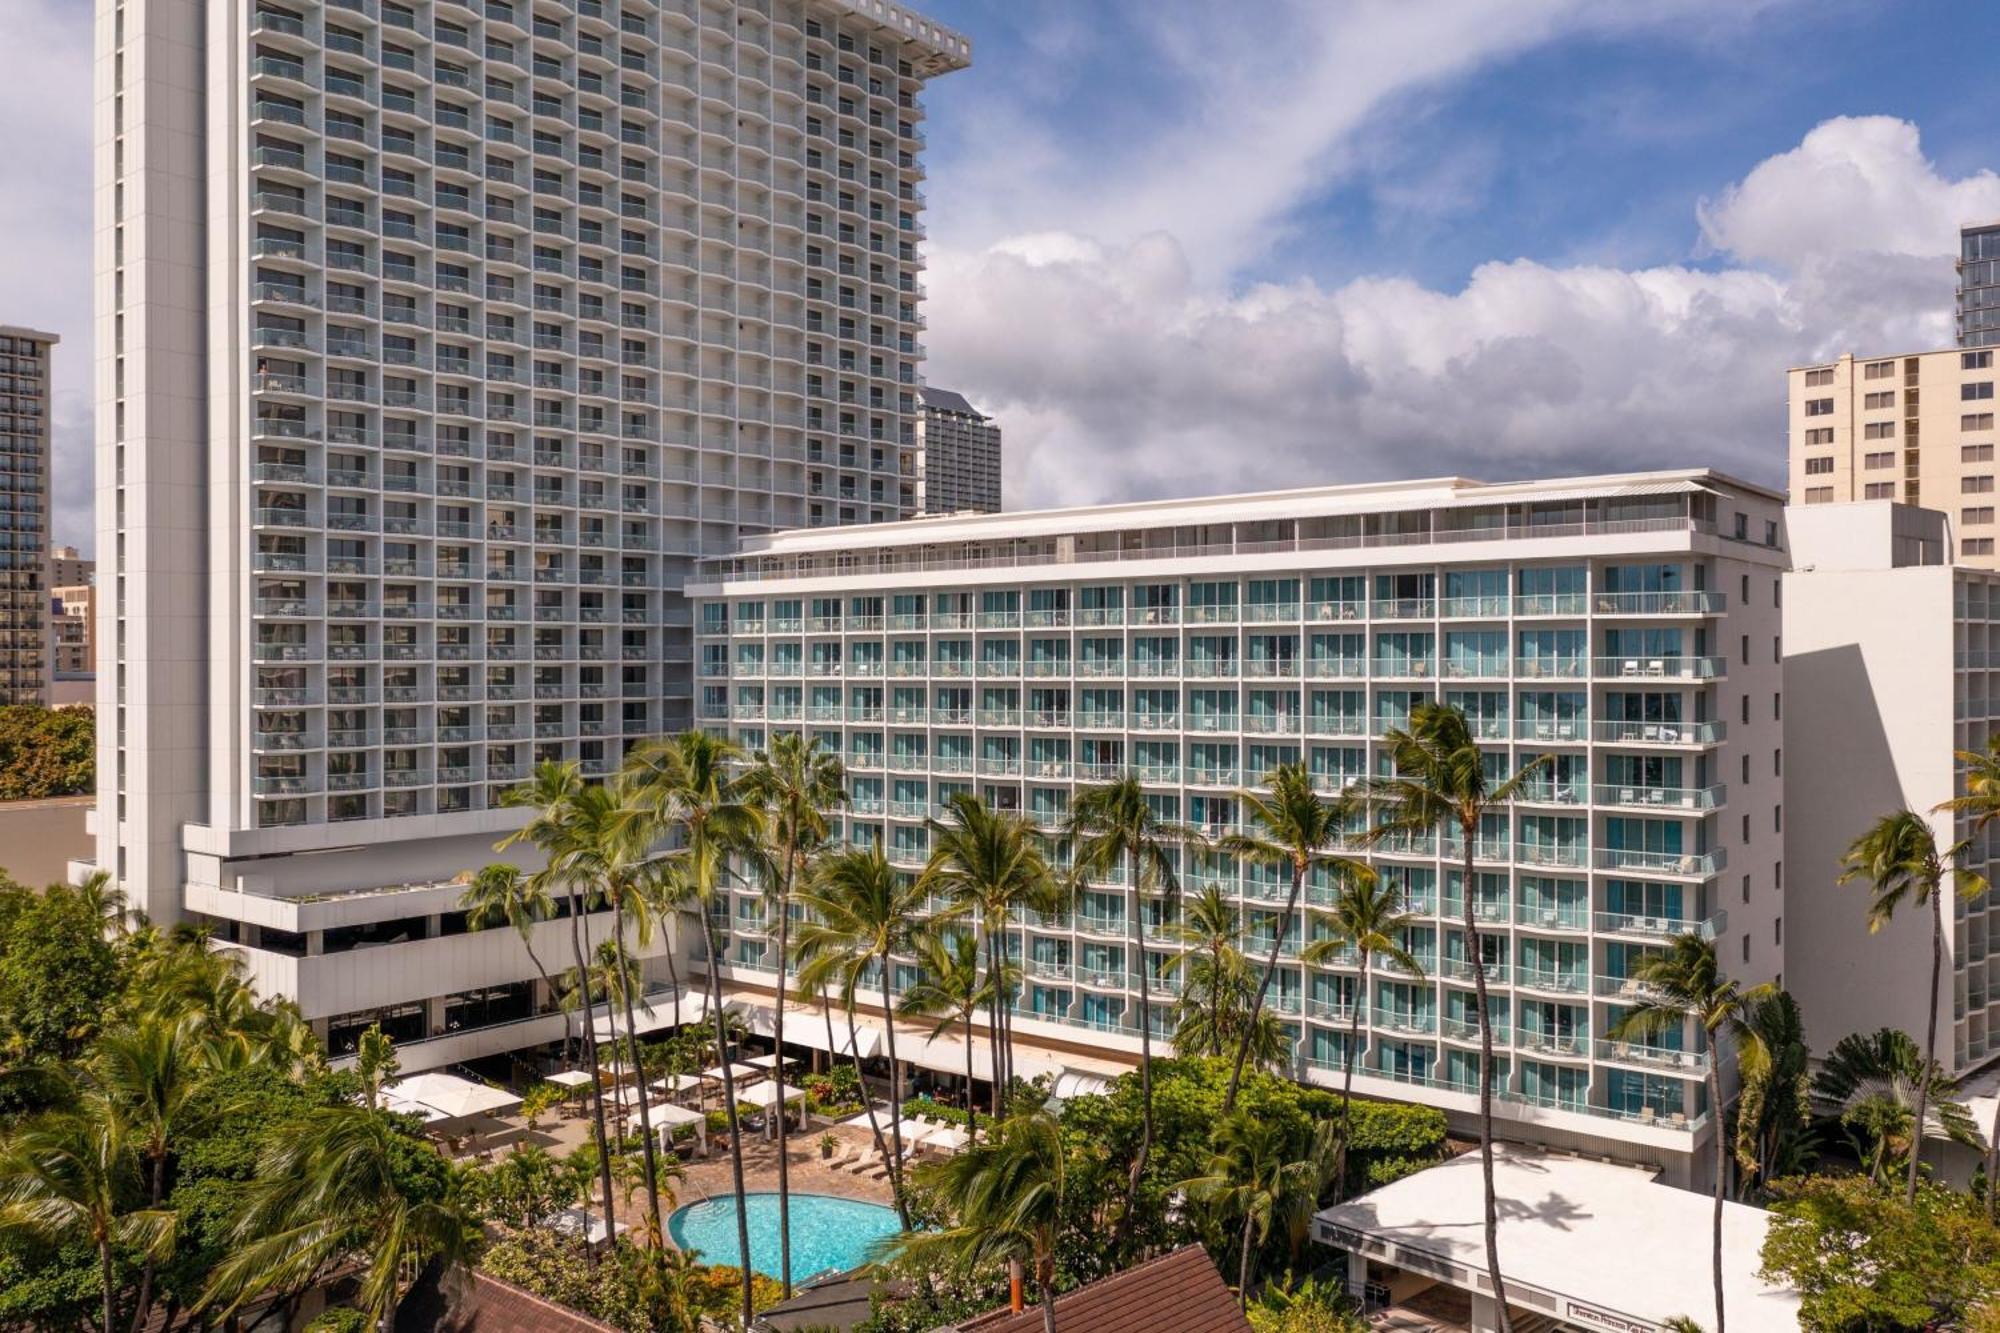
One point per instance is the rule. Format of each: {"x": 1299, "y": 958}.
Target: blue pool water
{"x": 826, "y": 1232}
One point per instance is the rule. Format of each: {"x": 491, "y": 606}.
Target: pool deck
{"x": 809, "y": 1175}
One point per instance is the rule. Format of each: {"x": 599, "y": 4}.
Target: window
{"x": 1976, "y": 360}
{"x": 1818, "y": 466}
{"x": 1819, "y": 495}
{"x": 1976, "y": 421}
{"x": 1878, "y": 370}
{"x": 1975, "y": 453}
{"x": 1976, "y": 517}
{"x": 1819, "y": 379}
{"x": 1975, "y": 485}
{"x": 1820, "y": 435}
{"x": 1823, "y": 407}
{"x": 1876, "y": 402}
{"x": 1977, "y": 391}
{"x": 1976, "y": 546}
{"x": 1879, "y": 430}
{"x": 1879, "y": 490}
{"x": 1881, "y": 460}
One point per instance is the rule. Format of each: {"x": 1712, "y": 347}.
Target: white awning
{"x": 945, "y": 1054}
{"x": 812, "y": 1034}
{"x": 766, "y": 1094}
{"x": 652, "y": 1013}
{"x": 737, "y": 1070}
{"x": 452, "y": 1097}
{"x": 569, "y": 1078}
{"x": 1070, "y": 1083}
{"x": 668, "y": 1114}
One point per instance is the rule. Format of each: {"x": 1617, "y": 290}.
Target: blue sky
{"x": 1182, "y": 246}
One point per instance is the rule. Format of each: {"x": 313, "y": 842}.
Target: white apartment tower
{"x": 435, "y": 342}
{"x": 1626, "y": 626}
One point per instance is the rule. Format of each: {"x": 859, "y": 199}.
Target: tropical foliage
{"x": 46, "y": 752}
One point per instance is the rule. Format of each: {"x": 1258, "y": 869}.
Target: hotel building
{"x": 1917, "y": 428}
{"x": 958, "y": 456}
{"x": 1625, "y": 626}
{"x": 25, "y": 449}
{"x": 1892, "y": 663}
{"x": 435, "y": 341}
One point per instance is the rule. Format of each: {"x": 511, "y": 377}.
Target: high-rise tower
{"x": 435, "y": 342}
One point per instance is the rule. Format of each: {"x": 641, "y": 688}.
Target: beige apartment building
{"x": 1917, "y": 428}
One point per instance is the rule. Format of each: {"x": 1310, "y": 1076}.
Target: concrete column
{"x": 434, "y": 1017}
{"x": 1485, "y": 1314}
{"x": 1357, "y": 1276}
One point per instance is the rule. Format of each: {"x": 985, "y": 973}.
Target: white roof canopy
{"x": 736, "y": 1070}
{"x": 653, "y": 1013}
{"x": 666, "y": 1113}
{"x": 569, "y": 1078}
{"x": 451, "y": 1097}
{"x": 766, "y": 1094}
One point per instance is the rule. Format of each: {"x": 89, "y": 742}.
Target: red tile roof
{"x": 485, "y": 1304}
{"x": 1179, "y": 1291}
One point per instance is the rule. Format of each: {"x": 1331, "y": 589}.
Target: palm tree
{"x": 1212, "y": 931}
{"x": 551, "y": 793}
{"x": 1900, "y": 860}
{"x": 1286, "y": 825}
{"x": 1772, "y": 1103}
{"x": 796, "y": 782}
{"x": 331, "y": 1192}
{"x": 102, "y": 897}
{"x": 990, "y": 865}
{"x": 1007, "y": 1195}
{"x": 1258, "y": 1172}
{"x": 71, "y": 1178}
{"x": 1440, "y": 786}
{"x": 500, "y": 895}
{"x": 684, "y": 782}
{"x": 864, "y": 912}
{"x": 375, "y": 1061}
{"x": 950, "y": 989}
{"x": 155, "y": 1074}
{"x": 1871, "y": 1080}
{"x": 1113, "y": 828}
{"x": 1982, "y": 802}
{"x": 1367, "y": 919}
{"x": 1683, "y": 981}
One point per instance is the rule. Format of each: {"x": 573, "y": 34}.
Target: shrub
{"x": 46, "y": 752}
{"x": 340, "y": 1319}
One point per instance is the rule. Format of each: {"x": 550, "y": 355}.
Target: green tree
{"x": 58, "y": 974}
{"x": 1114, "y": 828}
{"x": 376, "y": 1062}
{"x": 1871, "y": 1080}
{"x": 991, "y": 866}
{"x": 1863, "y": 1258}
{"x": 1440, "y": 786}
{"x": 1288, "y": 826}
{"x": 1773, "y": 1107}
{"x": 1900, "y": 861}
{"x": 1367, "y": 920}
{"x": 1261, "y": 1173}
{"x": 530, "y": 1184}
{"x": 74, "y": 1176}
{"x": 501, "y": 895}
{"x": 685, "y": 782}
{"x": 551, "y": 795}
{"x": 46, "y": 752}
{"x": 1211, "y": 931}
{"x": 860, "y": 913}
{"x": 344, "y": 1185}
{"x": 796, "y": 783}
{"x": 1685, "y": 982}
{"x": 1980, "y": 781}
{"x": 1005, "y": 1198}
{"x": 950, "y": 989}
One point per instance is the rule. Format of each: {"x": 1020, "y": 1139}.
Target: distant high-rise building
{"x": 446, "y": 339}
{"x": 958, "y": 456}
{"x": 73, "y": 631}
{"x": 68, "y": 569}
{"x": 24, "y": 514}
{"x": 1979, "y": 285}
{"x": 1917, "y": 428}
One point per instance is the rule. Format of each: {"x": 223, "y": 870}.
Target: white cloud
{"x": 1118, "y": 374}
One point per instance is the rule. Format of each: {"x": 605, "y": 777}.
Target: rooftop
{"x": 1604, "y": 1241}
{"x": 941, "y": 49}
{"x": 1179, "y": 1291}
{"x": 945, "y": 400}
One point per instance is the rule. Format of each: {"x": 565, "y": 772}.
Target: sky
{"x": 1179, "y": 246}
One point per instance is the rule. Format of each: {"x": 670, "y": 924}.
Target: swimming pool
{"x": 827, "y": 1232}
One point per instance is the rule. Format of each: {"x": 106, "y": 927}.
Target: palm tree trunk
{"x": 1930, "y": 1041}
{"x": 1715, "y": 1117}
{"x": 1263, "y": 987}
{"x": 971, "y": 1111}
{"x": 895, "y": 1093}
{"x": 543, "y": 973}
{"x": 1243, "y": 1267}
{"x": 867, "y": 1102}
{"x": 735, "y": 1127}
{"x": 1045, "y": 1285}
{"x": 1347, "y": 1080}
{"x": 589, "y": 1037}
{"x": 157, "y": 1192}
{"x": 1492, "y": 1212}
{"x": 993, "y": 1023}
{"x": 104, "y": 1276}
{"x": 778, "y": 1075}
{"x": 1215, "y": 1002}
{"x": 1145, "y": 1046}
{"x": 659, "y": 1236}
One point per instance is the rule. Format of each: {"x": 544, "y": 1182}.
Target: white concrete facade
{"x": 1888, "y": 650}
{"x": 434, "y": 343}
{"x": 1626, "y": 625}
